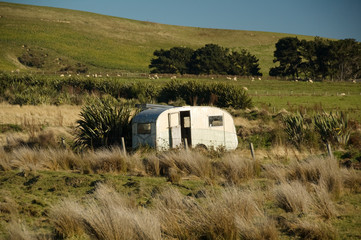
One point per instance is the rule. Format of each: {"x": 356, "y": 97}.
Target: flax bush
{"x": 296, "y": 128}
{"x": 333, "y": 127}
{"x": 103, "y": 123}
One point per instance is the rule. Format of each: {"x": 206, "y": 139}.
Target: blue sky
{"x": 338, "y": 19}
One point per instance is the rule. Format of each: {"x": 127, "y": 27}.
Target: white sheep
{"x": 173, "y": 77}
{"x": 343, "y": 94}
{"x": 61, "y": 75}
{"x": 245, "y": 88}
{"x": 310, "y": 81}
{"x": 260, "y": 78}
{"x": 235, "y": 79}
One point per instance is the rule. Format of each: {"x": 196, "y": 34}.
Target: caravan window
{"x": 215, "y": 121}
{"x": 143, "y": 128}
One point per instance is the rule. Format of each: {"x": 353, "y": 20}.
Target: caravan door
{"x": 175, "y": 136}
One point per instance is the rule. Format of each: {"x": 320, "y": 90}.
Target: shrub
{"x": 103, "y": 123}
{"x": 332, "y": 127}
{"x": 296, "y": 128}
{"x": 230, "y": 96}
{"x": 195, "y": 93}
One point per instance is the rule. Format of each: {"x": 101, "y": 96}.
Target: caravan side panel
{"x": 213, "y": 135}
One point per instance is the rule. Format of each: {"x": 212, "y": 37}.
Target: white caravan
{"x": 164, "y": 127}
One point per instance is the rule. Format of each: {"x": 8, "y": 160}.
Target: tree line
{"x": 210, "y": 59}
{"x": 317, "y": 59}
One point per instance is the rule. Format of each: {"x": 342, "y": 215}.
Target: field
{"x": 49, "y": 189}
{"x": 41, "y": 176}
{"x": 68, "y": 37}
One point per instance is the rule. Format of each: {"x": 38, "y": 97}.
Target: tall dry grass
{"x": 293, "y": 197}
{"x": 320, "y": 171}
{"x": 17, "y": 230}
{"x": 231, "y": 214}
{"x": 237, "y": 169}
{"x": 108, "y": 215}
{"x": 187, "y": 162}
{"x": 311, "y": 229}
{"x": 66, "y": 218}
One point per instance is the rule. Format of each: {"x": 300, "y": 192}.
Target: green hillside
{"x": 64, "y": 38}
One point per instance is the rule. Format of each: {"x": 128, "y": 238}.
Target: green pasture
{"x": 105, "y": 43}
{"x": 306, "y": 97}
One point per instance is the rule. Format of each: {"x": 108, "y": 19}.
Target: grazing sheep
{"x": 173, "y": 77}
{"x": 354, "y": 81}
{"x": 61, "y": 75}
{"x": 343, "y": 94}
{"x": 310, "y": 80}
{"x": 235, "y": 79}
{"x": 260, "y": 78}
{"x": 229, "y": 78}
{"x": 87, "y": 75}
{"x": 245, "y": 88}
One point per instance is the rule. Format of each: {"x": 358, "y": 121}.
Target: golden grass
{"x": 66, "y": 218}
{"x": 301, "y": 194}
{"x": 47, "y": 115}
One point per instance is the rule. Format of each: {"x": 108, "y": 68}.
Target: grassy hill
{"x": 63, "y": 38}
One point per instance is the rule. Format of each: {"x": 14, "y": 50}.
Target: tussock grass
{"x": 321, "y": 171}
{"x": 106, "y": 160}
{"x": 293, "y": 197}
{"x": 231, "y": 214}
{"x": 352, "y": 180}
{"x": 108, "y": 215}
{"x": 322, "y": 203}
{"x": 66, "y": 218}
{"x": 187, "y": 162}
{"x": 17, "y": 230}
{"x": 232, "y": 202}
{"x": 237, "y": 169}
{"x": 311, "y": 229}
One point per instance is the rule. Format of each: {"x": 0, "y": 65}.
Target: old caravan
{"x": 164, "y": 127}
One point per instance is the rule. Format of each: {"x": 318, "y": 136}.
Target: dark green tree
{"x": 288, "y": 56}
{"x": 210, "y": 59}
{"x": 316, "y": 58}
{"x": 346, "y": 59}
{"x": 244, "y": 64}
{"x": 174, "y": 60}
